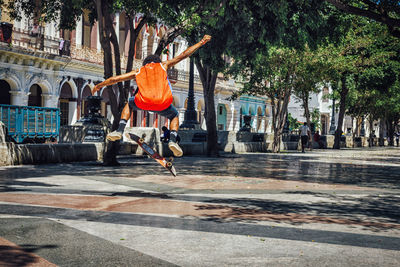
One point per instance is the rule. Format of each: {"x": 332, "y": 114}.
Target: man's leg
{"x": 303, "y": 143}
{"x": 117, "y": 134}
{"x": 173, "y": 144}
{"x": 172, "y": 114}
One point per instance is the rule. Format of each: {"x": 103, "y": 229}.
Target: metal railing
{"x": 30, "y": 122}
{"x": 24, "y": 38}
{"x": 184, "y": 76}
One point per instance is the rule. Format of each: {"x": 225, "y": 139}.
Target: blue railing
{"x": 30, "y": 122}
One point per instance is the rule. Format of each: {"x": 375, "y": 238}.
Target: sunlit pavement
{"x": 320, "y": 208}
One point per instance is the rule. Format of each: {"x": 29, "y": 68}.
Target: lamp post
{"x": 362, "y": 132}
{"x": 332, "y": 129}
{"x": 190, "y": 117}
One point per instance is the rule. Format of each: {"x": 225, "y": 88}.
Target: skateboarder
{"x": 154, "y": 93}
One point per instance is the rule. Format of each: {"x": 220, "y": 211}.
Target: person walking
{"x": 154, "y": 93}
{"x": 305, "y": 135}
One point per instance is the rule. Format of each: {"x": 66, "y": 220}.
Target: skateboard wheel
{"x": 169, "y": 164}
{"x": 141, "y": 140}
{"x": 171, "y": 159}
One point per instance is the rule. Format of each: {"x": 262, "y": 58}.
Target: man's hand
{"x": 205, "y": 39}
{"x": 95, "y": 89}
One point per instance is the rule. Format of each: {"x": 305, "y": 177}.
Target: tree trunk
{"x": 110, "y": 148}
{"x": 390, "y": 131}
{"x": 279, "y": 114}
{"x": 342, "y": 109}
{"x": 371, "y": 132}
{"x": 307, "y": 115}
{"x": 381, "y": 132}
{"x": 134, "y": 32}
{"x": 208, "y": 79}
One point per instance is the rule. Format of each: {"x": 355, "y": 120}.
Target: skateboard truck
{"x": 151, "y": 152}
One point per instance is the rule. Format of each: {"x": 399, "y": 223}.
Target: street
{"x": 320, "y": 208}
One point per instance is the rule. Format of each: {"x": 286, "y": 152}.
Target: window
{"x": 221, "y": 110}
{"x": 64, "y": 107}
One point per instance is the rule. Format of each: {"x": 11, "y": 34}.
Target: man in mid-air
{"x": 154, "y": 93}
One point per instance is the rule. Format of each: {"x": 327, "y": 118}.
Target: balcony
{"x": 29, "y": 40}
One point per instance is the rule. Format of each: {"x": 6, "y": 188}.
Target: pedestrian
{"x": 154, "y": 93}
{"x": 305, "y": 135}
{"x": 397, "y": 136}
{"x": 317, "y": 139}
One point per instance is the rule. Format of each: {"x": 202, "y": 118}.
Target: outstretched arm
{"x": 116, "y": 79}
{"x": 187, "y": 53}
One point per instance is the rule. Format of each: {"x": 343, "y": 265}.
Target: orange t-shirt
{"x": 154, "y": 88}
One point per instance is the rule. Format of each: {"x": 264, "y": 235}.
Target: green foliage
{"x": 294, "y": 124}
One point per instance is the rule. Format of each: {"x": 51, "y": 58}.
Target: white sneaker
{"x": 114, "y": 136}
{"x": 175, "y": 148}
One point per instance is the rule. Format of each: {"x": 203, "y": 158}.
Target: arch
{"x": 266, "y": 111}
{"x": 90, "y": 85}
{"x": 5, "y": 96}
{"x": 251, "y": 110}
{"x": 244, "y": 109}
{"x": 41, "y": 81}
{"x": 35, "y": 96}
{"x": 86, "y": 91}
{"x": 72, "y": 85}
{"x": 259, "y": 111}
{"x": 66, "y": 91}
{"x": 11, "y": 79}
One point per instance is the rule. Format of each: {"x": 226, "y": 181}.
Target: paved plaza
{"x": 320, "y": 208}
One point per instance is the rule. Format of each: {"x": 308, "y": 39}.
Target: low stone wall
{"x": 235, "y": 142}
{"x": 16, "y": 154}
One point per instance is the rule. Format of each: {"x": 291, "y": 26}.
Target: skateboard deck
{"x": 152, "y": 153}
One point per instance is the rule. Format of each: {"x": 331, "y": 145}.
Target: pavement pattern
{"x": 320, "y": 208}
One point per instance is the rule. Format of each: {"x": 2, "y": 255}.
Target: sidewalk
{"x": 320, "y": 208}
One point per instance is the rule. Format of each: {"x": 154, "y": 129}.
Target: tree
{"x": 273, "y": 75}
{"x": 357, "y": 63}
{"x": 385, "y": 12}
{"x": 283, "y": 24}
{"x": 310, "y": 72}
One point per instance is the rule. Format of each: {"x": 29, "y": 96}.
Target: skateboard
{"x": 152, "y": 153}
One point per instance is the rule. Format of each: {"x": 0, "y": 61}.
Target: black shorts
{"x": 169, "y": 112}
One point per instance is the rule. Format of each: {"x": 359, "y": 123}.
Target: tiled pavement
{"x": 321, "y": 208}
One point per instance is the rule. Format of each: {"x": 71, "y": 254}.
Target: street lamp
{"x": 332, "y": 129}
{"x": 190, "y": 117}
